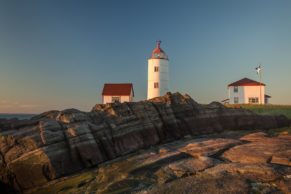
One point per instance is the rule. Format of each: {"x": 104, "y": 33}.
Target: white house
{"x": 117, "y": 92}
{"x": 158, "y": 73}
{"x": 247, "y": 91}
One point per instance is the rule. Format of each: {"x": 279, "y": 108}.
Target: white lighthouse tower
{"x": 158, "y": 73}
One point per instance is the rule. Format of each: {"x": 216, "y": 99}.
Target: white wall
{"x": 246, "y": 92}
{"x": 239, "y": 94}
{"x": 254, "y": 91}
{"x": 162, "y": 77}
{"x": 108, "y": 99}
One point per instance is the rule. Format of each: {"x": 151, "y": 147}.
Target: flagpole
{"x": 260, "y": 88}
{"x": 260, "y": 81}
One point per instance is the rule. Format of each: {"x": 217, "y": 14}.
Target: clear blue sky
{"x": 57, "y": 54}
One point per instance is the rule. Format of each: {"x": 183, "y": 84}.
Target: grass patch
{"x": 69, "y": 185}
{"x": 267, "y": 109}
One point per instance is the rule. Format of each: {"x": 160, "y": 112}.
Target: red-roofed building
{"x": 247, "y": 91}
{"x": 117, "y": 92}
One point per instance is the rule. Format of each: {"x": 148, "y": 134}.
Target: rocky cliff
{"x": 59, "y": 143}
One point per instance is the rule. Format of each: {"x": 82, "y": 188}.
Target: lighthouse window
{"x": 235, "y": 89}
{"x": 156, "y": 69}
{"x": 156, "y": 85}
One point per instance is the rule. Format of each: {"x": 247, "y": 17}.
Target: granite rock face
{"x": 173, "y": 168}
{"x": 262, "y": 149}
{"x": 59, "y": 143}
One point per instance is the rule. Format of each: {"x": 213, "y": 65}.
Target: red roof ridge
{"x": 246, "y": 82}
{"x": 118, "y": 83}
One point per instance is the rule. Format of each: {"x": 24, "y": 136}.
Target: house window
{"x": 115, "y": 99}
{"x": 254, "y": 100}
{"x": 235, "y": 89}
{"x": 156, "y": 69}
{"x": 156, "y": 85}
{"x": 235, "y": 100}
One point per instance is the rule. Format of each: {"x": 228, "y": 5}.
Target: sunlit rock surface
{"x": 169, "y": 168}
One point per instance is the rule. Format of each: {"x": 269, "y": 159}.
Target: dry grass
{"x": 266, "y": 109}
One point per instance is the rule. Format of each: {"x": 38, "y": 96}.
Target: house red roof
{"x": 122, "y": 89}
{"x": 246, "y": 82}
